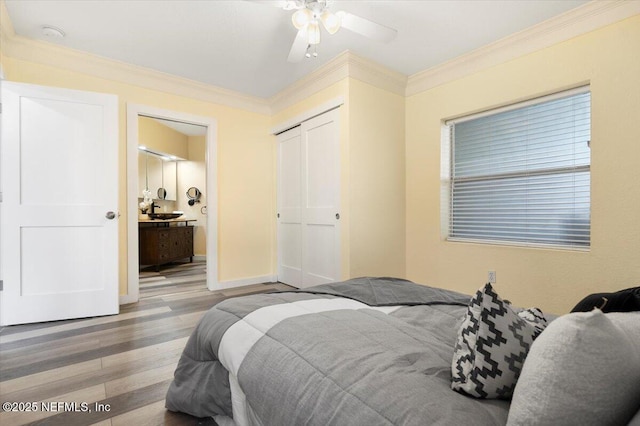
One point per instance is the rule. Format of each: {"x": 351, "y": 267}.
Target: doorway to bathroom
{"x": 172, "y": 196}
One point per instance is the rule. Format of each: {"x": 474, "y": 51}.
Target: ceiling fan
{"x": 308, "y": 16}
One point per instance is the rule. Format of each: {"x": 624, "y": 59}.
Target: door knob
{"x": 338, "y": 216}
{"x": 110, "y": 215}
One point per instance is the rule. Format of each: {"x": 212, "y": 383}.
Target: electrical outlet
{"x": 492, "y": 277}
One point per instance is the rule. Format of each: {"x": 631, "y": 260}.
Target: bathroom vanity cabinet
{"x": 164, "y": 241}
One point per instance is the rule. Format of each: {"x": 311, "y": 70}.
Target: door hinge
{"x": 1, "y": 285}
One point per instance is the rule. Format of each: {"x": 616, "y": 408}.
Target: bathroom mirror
{"x": 193, "y": 194}
{"x": 158, "y": 175}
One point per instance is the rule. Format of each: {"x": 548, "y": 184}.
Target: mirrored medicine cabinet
{"x": 157, "y": 173}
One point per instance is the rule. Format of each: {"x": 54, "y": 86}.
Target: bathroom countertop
{"x": 179, "y": 219}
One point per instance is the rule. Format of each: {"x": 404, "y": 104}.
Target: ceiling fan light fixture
{"x": 290, "y": 5}
{"x": 314, "y": 32}
{"x": 301, "y": 18}
{"x": 330, "y": 21}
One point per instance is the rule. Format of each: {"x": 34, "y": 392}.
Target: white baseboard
{"x": 125, "y": 299}
{"x": 224, "y": 285}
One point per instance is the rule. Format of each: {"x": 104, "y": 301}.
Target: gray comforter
{"x": 363, "y": 352}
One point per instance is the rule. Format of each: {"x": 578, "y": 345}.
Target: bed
{"x": 368, "y": 351}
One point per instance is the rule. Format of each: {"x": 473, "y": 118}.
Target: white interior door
{"x": 308, "y": 200}
{"x": 289, "y": 208}
{"x": 59, "y": 221}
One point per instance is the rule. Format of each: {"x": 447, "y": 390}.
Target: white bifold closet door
{"x": 308, "y": 202}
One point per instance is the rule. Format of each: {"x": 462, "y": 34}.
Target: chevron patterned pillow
{"x": 493, "y": 342}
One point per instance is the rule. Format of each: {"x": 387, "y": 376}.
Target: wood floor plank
{"x": 57, "y": 336}
{"x": 103, "y": 336}
{"x": 112, "y": 371}
{"x": 86, "y": 395}
{"x": 82, "y": 324}
{"x": 144, "y": 353}
{"x": 140, "y": 379}
{"x": 68, "y": 359}
{"x": 27, "y": 357}
{"x": 9, "y": 387}
{"x": 119, "y": 404}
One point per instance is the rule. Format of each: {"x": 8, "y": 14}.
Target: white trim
{"x": 575, "y": 22}
{"x": 345, "y": 65}
{"x": 313, "y": 112}
{"x": 225, "y": 285}
{"x": 126, "y": 299}
{"x": 133, "y": 111}
{"x": 518, "y": 105}
{"x": 86, "y": 63}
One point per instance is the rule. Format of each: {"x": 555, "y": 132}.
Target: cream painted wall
{"x": 554, "y": 280}
{"x": 377, "y": 187}
{"x": 372, "y": 161}
{"x": 193, "y": 173}
{"x": 162, "y": 139}
{"x": 245, "y": 157}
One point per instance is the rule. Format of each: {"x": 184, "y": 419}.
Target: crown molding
{"x": 44, "y": 53}
{"x": 578, "y": 21}
{"x": 377, "y": 75}
{"x": 346, "y": 64}
{"x": 330, "y": 73}
{"x": 6, "y": 26}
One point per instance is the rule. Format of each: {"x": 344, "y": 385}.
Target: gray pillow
{"x": 584, "y": 369}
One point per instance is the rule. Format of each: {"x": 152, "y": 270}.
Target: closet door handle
{"x": 338, "y": 216}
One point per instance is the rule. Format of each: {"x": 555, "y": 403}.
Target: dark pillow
{"x": 620, "y": 301}
{"x": 493, "y": 342}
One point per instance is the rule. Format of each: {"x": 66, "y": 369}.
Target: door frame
{"x": 211, "y": 166}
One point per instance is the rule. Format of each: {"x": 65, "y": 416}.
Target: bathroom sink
{"x": 164, "y": 216}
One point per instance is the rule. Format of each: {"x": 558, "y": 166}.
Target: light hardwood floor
{"x": 124, "y": 362}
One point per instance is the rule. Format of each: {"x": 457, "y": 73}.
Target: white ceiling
{"x": 243, "y": 45}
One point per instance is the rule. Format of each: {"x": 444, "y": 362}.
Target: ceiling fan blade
{"x": 299, "y": 47}
{"x": 366, "y": 27}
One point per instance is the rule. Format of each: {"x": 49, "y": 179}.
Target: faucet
{"x": 153, "y": 207}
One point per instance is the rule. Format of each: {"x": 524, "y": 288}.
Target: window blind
{"x": 522, "y": 175}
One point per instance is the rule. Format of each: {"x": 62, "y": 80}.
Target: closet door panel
{"x": 321, "y": 196}
{"x": 289, "y": 208}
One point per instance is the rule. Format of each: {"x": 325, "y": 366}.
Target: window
{"x": 521, "y": 174}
